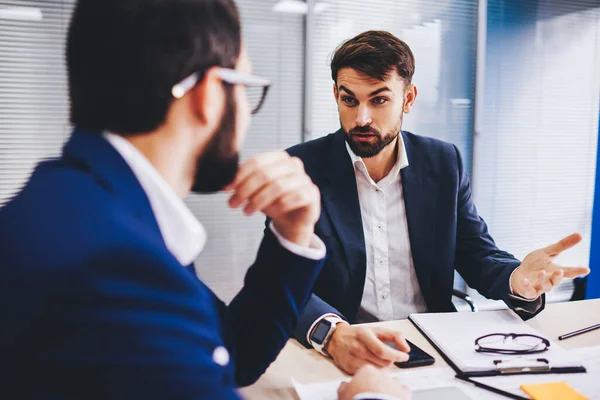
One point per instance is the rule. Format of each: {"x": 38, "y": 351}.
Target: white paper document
{"x": 455, "y": 335}
{"x": 424, "y": 379}
{"x": 420, "y": 381}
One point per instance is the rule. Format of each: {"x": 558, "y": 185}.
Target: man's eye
{"x": 349, "y": 101}
{"x": 379, "y": 100}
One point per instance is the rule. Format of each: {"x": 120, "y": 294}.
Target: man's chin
{"x": 364, "y": 150}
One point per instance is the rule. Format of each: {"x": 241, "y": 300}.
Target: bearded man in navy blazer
{"x": 98, "y": 293}
{"x": 398, "y": 217}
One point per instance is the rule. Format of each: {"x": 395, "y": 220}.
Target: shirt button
{"x": 380, "y": 262}
{"x": 382, "y": 297}
{"x": 221, "y": 356}
{"x": 379, "y": 226}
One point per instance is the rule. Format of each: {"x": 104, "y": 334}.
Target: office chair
{"x": 466, "y": 298}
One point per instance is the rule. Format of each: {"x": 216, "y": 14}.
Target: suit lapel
{"x": 340, "y": 200}
{"x": 420, "y": 196}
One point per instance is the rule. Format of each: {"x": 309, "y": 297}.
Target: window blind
{"x": 535, "y": 157}
{"x": 33, "y": 87}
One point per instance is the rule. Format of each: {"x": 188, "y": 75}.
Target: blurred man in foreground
{"x": 98, "y": 295}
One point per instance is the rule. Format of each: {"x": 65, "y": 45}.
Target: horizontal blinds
{"x": 33, "y": 87}
{"x": 536, "y": 155}
{"x": 275, "y": 42}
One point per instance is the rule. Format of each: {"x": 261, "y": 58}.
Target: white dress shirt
{"x": 391, "y": 289}
{"x": 183, "y": 234}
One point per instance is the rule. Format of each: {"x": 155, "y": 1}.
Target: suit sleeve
{"x": 315, "y": 309}
{"x": 262, "y": 317}
{"x": 480, "y": 262}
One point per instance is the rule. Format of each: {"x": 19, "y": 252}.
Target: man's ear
{"x": 208, "y": 98}
{"x": 410, "y": 95}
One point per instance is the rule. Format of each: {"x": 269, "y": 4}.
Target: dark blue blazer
{"x": 93, "y": 305}
{"x": 445, "y": 231}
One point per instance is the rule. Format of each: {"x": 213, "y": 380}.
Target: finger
{"x": 379, "y": 348}
{"x": 527, "y": 289}
{"x": 546, "y": 285}
{"x": 359, "y": 351}
{"x": 261, "y": 161}
{"x": 271, "y": 192}
{"x": 541, "y": 281}
{"x": 258, "y": 179}
{"x": 372, "y": 359}
{"x": 574, "y": 272}
{"x": 556, "y": 277}
{"x": 343, "y": 387}
{"x": 539, "y": 278}
{"x": 292, "y": 201}
{"x": 563, "y": 244}
{"x": 394, "y": 336}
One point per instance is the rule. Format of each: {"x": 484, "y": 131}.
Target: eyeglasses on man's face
{"x": 257, "y": 87}
{"x": 511, "y": 343}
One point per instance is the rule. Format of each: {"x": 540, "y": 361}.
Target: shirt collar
{"x": 183, "y": 234}
{"x": 401, "y": 162}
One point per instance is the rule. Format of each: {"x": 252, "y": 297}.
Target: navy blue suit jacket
{"x": 445, "y": 230}
{"x": 93, "y": 305}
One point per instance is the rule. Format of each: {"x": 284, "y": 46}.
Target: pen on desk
{"x": 579, "y": 332}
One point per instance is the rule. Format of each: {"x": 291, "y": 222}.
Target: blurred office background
{"x": 514, "y": 84}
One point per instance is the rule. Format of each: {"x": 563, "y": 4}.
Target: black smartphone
{"x": 416, "y": 357}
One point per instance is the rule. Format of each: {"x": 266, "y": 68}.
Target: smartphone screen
{"x": 417, "y": 357}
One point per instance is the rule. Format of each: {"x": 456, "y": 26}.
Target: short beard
{"x": 367, "y": 150}
{"x": 219, "y": 164}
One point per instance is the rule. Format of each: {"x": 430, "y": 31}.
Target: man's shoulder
{"x": 61, "y": 217}
{"x": 442, "y": 157}
{"x": 428, "y": 144}
{"x": 318, "y": 145}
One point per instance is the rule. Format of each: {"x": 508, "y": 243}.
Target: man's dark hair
{"x": 376, "y": 54}
{"x": 124, "y": 56}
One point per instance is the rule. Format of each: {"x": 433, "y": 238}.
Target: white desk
{"x": 308, "y": 366}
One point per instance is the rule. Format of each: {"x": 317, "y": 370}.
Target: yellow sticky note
{"x": 552, "y": 391}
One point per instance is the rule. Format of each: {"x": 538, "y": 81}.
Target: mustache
{"x": 362, "y": 130}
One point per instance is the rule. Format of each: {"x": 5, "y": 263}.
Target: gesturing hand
{"x": 538, "y": 273}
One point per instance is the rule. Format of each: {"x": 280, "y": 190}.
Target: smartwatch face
{"x": 320, "y": 332}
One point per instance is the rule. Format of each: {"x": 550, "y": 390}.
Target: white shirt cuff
{"x": 315, "y": 251}
{"x": 374, "y": 396}
{"x": 516, "y": 296}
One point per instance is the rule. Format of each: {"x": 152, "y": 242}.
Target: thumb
{"x": 342, "y": 388}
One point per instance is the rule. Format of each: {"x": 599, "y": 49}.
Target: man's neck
{"x": 165, "y": 153}
{"x": 379, "y": 166}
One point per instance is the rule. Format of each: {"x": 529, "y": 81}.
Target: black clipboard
{"x": 466, "y": 377}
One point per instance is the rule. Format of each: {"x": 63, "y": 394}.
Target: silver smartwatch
{"x": 323, "y": 331}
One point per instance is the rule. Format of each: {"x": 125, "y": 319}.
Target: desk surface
{"x": 308, "y": 366}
